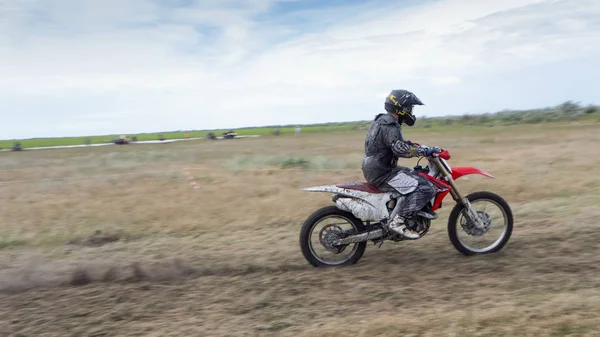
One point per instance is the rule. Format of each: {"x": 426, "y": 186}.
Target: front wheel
{"x": 319, "y": 233}
{"x": 497, "y": 218}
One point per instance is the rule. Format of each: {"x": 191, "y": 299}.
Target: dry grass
{"x": 224, "y": 259}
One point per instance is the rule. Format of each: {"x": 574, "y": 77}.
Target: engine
{"x": 418, "y": 224}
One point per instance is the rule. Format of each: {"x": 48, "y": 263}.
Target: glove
{"x": 429, "y": 150}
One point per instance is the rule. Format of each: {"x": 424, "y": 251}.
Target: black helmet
{"x": 401, "y": 102}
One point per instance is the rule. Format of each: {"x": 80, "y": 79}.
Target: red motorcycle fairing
{"x": 458, "y": 172}
{"x": 442, "y": 186}
{"x": 445, "y": 188}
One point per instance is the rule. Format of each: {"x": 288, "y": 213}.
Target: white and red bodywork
{"x": 370, "y": 204}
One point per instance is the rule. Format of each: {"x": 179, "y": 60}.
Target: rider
{"x": 384, "y": 144}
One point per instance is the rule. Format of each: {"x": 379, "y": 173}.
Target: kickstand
{"x": 380, "y": 243}
{"x": 384, "y": 233}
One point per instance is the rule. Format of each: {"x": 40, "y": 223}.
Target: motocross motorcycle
{"x": 363, "y": 211}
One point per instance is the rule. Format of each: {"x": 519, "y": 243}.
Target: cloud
{"x": 92, "y": 66}
{"x": 447, "y": 80}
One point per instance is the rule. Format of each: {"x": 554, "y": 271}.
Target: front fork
{"x": 457, "y": 196}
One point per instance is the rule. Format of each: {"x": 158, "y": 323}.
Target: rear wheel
{"x": 498, "y": 224}
{"x": 324, "y": 227}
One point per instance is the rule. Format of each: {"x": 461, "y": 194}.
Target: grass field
{"x": 224, "y": 259}
{"x": 64, "y": 141}
{"x": 563, "y": 113}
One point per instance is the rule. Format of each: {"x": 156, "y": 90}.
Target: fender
{"x": 458, "y": 172}
{"x": 337, "y": 190}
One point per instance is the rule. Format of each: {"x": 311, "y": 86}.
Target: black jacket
{"x": 383, "y": 146}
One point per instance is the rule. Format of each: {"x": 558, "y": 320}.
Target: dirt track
{"x": 240, "y": 273}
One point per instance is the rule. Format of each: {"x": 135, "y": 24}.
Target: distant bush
{"x": 569, "y": 108}
{"x": 567, "y": 111}
{"x": 590, "y": 110}
{"x": 447, "y": 121}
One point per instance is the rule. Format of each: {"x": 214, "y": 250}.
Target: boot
{"x": 398, "y": 226}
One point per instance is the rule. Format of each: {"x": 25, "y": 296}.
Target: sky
{"x": 89, "y": 67}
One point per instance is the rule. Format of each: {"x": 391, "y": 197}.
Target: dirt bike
{"x": 366, "y": 209}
